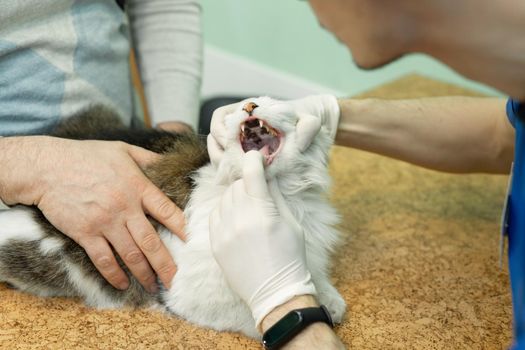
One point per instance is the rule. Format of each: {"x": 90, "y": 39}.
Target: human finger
{"x": 141, "y": 156}
{"x": 216, "y": 235}
{"x": 215, "y": 150}
{"x": 132, "y": 256}
{"x": 307, "y": 128}
{"x": 100, "y": 253}
{"x": 153, "y": 248}
{"x": 227, "y": 201}
{"x": 175, "y": 126}
{"x": 253, "y": 175}
{"x": 282, "y": 206}
{"x": 159, "y": 206}
{"x": 214, "y": 220}
{"x": 217, "y": 127}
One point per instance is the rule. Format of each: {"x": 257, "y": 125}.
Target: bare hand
{"x": 95, "y": 192}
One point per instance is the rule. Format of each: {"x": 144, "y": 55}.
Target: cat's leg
{"x": 328, "y": 296}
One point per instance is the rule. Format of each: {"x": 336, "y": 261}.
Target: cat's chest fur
{"x": 199, "y": 291}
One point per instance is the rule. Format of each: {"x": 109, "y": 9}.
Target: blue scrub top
{"x": 516, "y": 224}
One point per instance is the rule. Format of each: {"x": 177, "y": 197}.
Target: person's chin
{"x": 367, "y": 64}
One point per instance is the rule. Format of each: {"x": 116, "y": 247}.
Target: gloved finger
{"x": 215, "y": 224}
{"x": 253, "y": 175}
{"x": 215, "y": 150}
{"x": 217, "y": 127}
{"x": 307, "y": 128}
{"x": 282, "y": 207}
{"x": 227, "y": 204}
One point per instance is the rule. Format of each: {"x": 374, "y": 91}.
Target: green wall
{"x": 285, "y": 35}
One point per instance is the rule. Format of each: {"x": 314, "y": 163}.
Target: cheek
{"x": 339, "y": 18}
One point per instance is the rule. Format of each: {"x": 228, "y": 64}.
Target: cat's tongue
{"x": 265, "y": 151}
{"x": 257, "y": 135}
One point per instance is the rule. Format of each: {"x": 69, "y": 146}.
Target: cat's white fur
{"x": 18, "y": 224}
{"x": 199, "y": 292}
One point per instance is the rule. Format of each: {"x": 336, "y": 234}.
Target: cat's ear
{"x": 307, "y": 128}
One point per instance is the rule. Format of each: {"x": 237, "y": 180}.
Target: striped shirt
{"x": 57, "y": 57}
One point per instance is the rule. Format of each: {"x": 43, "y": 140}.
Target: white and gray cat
{"x": 37, "y": 258}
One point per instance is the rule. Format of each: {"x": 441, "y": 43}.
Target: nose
{"x": 249, "y": 107}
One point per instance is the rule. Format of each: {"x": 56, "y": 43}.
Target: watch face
{"x": 282, "y": 329}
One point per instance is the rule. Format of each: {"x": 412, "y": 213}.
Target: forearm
{"x": 316, "y": 336}
{"x": 168, "y": 45}
{"x": 454, "y": 134}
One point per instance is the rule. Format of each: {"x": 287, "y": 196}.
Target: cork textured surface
{"x": 418, "y": 267}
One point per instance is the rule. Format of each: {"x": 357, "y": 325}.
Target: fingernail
{"x": 123, "y": 285}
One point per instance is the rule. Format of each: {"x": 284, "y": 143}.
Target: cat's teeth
{"x": 242, "y": 127}
{"x": 261, "y": 123}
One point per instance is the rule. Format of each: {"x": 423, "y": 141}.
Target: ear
{"x": 307, "y": 128}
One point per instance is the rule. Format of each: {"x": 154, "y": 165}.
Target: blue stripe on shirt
{"x": 31, "y": 91}
{"x": 102, "y": 52}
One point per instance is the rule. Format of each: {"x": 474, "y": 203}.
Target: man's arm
{"x": 453, "y": 134}
{"x": 95, "y": 193}
{"x": 168, "y": 45}
{"x": 316, "y": 336}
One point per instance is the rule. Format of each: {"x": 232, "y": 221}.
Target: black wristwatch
{"x": 293, "y": 323}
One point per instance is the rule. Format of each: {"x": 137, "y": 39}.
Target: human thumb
{"x": 253, "y": 175}
{"x": 307, "y": 128}
{"x": 142, "y": 156}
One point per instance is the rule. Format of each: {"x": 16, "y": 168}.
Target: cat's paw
{"x": 334, "y": 302}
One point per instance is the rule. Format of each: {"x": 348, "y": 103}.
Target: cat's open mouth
{"x": 256, "y": 134}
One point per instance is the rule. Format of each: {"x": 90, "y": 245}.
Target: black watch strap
{"x": 293, "y": 323}
{"x": 317, "y": 314}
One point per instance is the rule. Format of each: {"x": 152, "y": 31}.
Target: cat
{"x": 37, "y": 258}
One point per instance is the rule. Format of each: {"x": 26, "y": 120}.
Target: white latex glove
{"x": 258, "y": 244}
{"x": 313, "y": 112}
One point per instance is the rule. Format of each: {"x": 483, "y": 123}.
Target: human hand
{"x": 313, "y": 112}
{"x": 95, "y": 193}
{"x": 252, "y": 224}
{"x": 177, "y": 127}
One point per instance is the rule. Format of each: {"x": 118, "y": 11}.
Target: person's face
{"x": 372, "y": 30}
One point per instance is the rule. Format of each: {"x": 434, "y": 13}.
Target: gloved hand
{"x": 313, "y": 112}
{"x": 257, "y": 242}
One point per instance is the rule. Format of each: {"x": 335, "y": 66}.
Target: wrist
{"x": 318, "y": 335}
{"x": 298, "y": 302}
{"x": 368, "y": 124}
{"x": 21, "y": 157}
{"x": 289, "y": 282}
{"x": 332, "y": 114}
{"x": 348, "y": 129}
